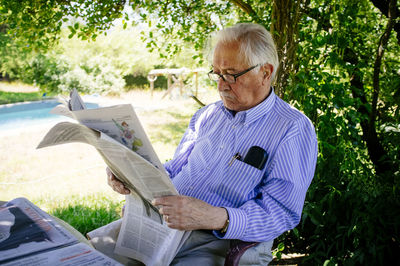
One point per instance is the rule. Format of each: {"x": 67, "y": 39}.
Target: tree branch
{"x": 384, "y": 7}
{"x": 246, "y": 8}
{"x": 383, "y": 42}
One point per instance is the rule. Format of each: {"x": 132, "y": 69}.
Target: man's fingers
{"x": 165, "y": 210}
{"x": 115, "y": 183}
{"x": 164, "y": 201}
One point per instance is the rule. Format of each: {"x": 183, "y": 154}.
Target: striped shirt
{"x": 261, "y": 204}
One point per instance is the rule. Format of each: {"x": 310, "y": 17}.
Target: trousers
{"x": 200, "y": 249}
{"x": 203, "y": 248}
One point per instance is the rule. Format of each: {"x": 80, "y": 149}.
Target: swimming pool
{"x": 13, "y": 116}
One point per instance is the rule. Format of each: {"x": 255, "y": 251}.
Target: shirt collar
{"x": 251, "y": 115}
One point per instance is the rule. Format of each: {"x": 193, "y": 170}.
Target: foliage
{"x": 14, "y": 97}
{"x": 107, "y": 65}
{"x": 45, "y": 18}
{"x": 53, "y": 72}
{"x": 352, "y": 209}
{"x": 95, "y": 75}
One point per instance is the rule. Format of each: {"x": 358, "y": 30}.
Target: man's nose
{"x": 222, "y": 85}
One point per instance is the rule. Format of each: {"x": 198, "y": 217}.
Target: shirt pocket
{"x": 238, "y": 183}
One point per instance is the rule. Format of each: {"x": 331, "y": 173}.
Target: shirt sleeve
{"x": 279, "y": 203}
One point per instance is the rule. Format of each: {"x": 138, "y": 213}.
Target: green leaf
{"x": 296, "y": 232}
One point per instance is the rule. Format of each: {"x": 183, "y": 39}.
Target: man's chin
{"x": 229, "y": 106}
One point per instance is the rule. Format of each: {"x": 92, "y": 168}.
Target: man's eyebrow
{"x": 226, "y": 69}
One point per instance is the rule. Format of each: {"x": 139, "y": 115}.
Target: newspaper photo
{"x": 79, "y": 255}
{"x": 29, "y": 236}
{"x": 25, "y": 229}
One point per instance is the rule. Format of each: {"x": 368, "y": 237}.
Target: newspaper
{"x": 29, "y": 236}
{"x": 119, "y": 138}
{"x": 144, "y": 241}
{"x": 138, "y": 236}
{"x": 119, "y": 122}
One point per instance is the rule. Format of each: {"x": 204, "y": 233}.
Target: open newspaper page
{"x": 137, "y": 173}
{"x": 144, "y": 180}
{"x": 119, "y": 122}
{"x": 29, "y": 236}
{"x": 79, "y": 254}
{"x": 146, "y": 237}
{"x": 26, "y": 229}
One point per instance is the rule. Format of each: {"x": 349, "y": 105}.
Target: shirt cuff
{"x": 237, "y": 224}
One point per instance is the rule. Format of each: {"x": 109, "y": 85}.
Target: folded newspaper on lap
{"x": 120, "y": 139}
{"x": 29, "y": 236}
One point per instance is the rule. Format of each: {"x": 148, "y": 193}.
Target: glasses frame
{"x": 235, "y": 76}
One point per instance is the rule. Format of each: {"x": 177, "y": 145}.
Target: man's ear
{"x": 267, "y": 71}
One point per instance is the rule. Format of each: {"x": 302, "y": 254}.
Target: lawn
{"x": 69, "y": 180}
{"x": 13, "y": 92}
{"x": 14, "y": 97}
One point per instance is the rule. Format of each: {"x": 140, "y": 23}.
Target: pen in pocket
{"x": 235, "y": 157}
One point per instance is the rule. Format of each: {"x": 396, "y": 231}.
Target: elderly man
{"x": 224, "y": 193}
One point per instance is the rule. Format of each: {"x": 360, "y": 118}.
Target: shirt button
{"x": 208, "y": 168}
{"x": 191, "y": 187}
{"x": 221, "y": 147}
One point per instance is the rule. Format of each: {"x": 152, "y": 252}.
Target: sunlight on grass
{"x": 15, "y": 86}
{"x": 85, "y": 213}
{"x": 14, "y": 97}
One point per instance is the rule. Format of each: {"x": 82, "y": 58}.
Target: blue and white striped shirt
{"x": 262, "y": 204}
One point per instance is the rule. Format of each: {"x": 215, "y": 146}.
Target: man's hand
{"x": 187, "y": 213}
{"x": 115, "y": 184}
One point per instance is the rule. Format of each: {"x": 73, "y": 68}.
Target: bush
{"x": 140, "y": 81}
{"x": 352, "y": 214}
{"x": 44, "y": 71}
{"x": 55, "y": 73}
{"x": 92, "y": 76}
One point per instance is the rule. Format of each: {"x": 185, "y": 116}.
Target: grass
{"x": 88, "y": 212}
{"x": 14, "y": 97}
{"x": 12, "y": 92}
{"x": 69, "y": 180}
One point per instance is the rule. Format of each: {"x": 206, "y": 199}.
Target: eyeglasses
{"x": 228, "y": 78}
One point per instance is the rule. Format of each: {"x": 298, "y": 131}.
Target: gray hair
{"x": 256, "y": 44}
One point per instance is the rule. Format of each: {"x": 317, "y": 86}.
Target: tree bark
{"x": 286, "y": 15}
{"x": 379, "y": 158}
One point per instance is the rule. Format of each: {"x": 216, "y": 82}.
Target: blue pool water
{"x": 20, "y": 115}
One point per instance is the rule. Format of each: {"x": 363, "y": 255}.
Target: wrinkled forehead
{"x": 227, "y": 55}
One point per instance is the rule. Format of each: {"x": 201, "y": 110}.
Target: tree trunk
{"x": 286, "y": 15}
{"x": 375, "y": 148}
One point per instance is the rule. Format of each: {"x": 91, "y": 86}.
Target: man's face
{"x": 250, "y": 89}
